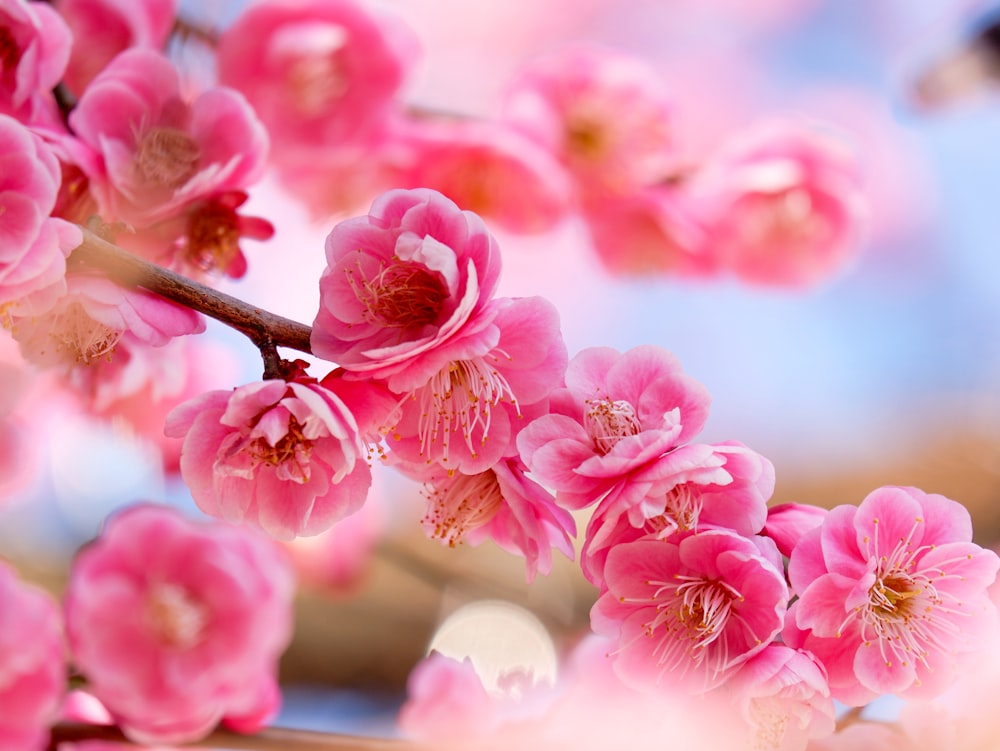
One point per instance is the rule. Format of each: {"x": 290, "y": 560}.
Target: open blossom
{"x": 693, "y": 487}
{"x": 32, "y": 664}
{"x": 34, "y": 49}
{"x": 467, "y": 415}
{"x": 784, "y": 205}
{"x": 319, "y": 74}
{"x": 406, "y": 288}
{"x": 110, "y": 27}
{"x": 178, "y": 625}
{"x": 616, "y": 413}
{"x": 689, "y": 610}
{"x": 603, "y": 113}
{"x": 33, "y": 245}
{"x": 891, "y": 594}
{"x": 160, "y": 152}
{"x": 486, "y": 167}
{"x": 284, "y": 456}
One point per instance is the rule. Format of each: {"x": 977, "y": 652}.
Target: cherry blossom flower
{"x": 467, "y": 415}
{"x": 784, "y": 698}
{"x": 320, "y": 75}
{"x": 617, "y": 413}
{"x": 693, "y": 487}
{"x": 503, "y": 504}
{"x": 32, "y": 664}
{"x": 34, "y": 49}
{"x": 488, "y": 168}
{"x": 784, "y": 205}
{"x": 284, "y": 456}
{"x": 891, "y": 593}
{"x": 603, "y": 113}
{"x": 86, "y": 325}
{"x": 687, "y": 611}
{"x": 33, "y": 245}
{"x": 110, "y": 27}
{"x": 159, "y": 151}
{"x": 406, "y": 288}
{"x": 178, "y": 625}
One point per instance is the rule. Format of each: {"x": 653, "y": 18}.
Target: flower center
{"x": 680, "y": 515}
{"x": 399, "y": 295}
{"x": 213, "y": 237}
{"x": 10, "y": 53}
{"x": 460, "y": 504}
{"x": 177, "y": 618}
{"x": 786, "y": 217}
{"x": 290, "y": 454}
{"x": 166, "y": 157}
{"x": 80, "y": 339}
{"x": 460, "y": 397}
{"x": 608, "y": 421}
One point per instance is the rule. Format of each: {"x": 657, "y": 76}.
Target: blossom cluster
{"x": 703, "y": 593}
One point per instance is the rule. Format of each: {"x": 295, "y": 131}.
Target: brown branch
{"x": 268, "y": 739}
{"x": 264, "y": 329}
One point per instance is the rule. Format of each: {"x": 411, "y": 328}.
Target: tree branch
{"x": 266, "y": 330}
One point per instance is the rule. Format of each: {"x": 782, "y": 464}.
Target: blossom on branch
{"x": 178, "y": 625}
{"x": 283, "y": 456}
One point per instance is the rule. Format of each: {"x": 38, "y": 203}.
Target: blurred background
{"x": 887, "y": 374}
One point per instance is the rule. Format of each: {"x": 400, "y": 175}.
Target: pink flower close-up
{"x": 178, "y": 625}
{"x": 687, "y": 612}
{"x": 319, "y": 74}
{"x": 34, "y": 49}
{"x": 406, "y": 289}
{"x": 33, "y": 245}
{"x": 283, "y": 456}
{"x": 617, "y": 412}
{"x": 892, "y": 595}
{"x": 159, "y": 152}
{"x": 32, "y": 663}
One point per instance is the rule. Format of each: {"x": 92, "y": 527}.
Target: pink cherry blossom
{"x": 159, "y": 151}
{"x": 467, "y": 415}
{"x": 33, "y": 246}
{"x": 32, "y": 664}
{"x": 783, "y": 697}
{"x": 34, "y": 49}
{"x": 406, "y": 288}
{"x": 723, "y": 486}
{"x": 110, "y": 27}
{"x": 616, "y": 413}
{"x": 784, "y": 205}
{"x": 319, "y": 74}
{"x": 603, "y": 113}
{"x": 284, "y": 456}
{"x": 687, "y": 611}
{"x": 488, "y": 168}
{"x": 87, "y": 323}
{"x": 891, "y": 593}
{"x": 501, "y": 504}
{"x": 178, "y": 625}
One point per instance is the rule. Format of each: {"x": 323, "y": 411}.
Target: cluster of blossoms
{"x": 704, "y": 593}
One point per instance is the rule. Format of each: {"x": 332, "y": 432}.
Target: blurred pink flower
{"x": 467, "y": 415}
{"x": 160, "y": 152}
{"x": 488, "y": 168}
{"x": 783, "y": 697}
{"x": 33, "y": 245}
{"x": 406, "y": 289}
{"x": 32, "y": 664}
{"x": 892, "y": 593}
{"x": 687, "y": 611}
{"x": 283, "y": 456}
{"x": 87, "y": 323}
{"x": 34, "y": 49}
{"x": 602, "y": 112}
{"x": 110, "y": 27}
{"x": 783, "y": 204}
{"x": 178, "y": 625}
{"x": 319, "y": 74}
{"x": 693, "y": 487}
{"x": 617, "y": 413}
